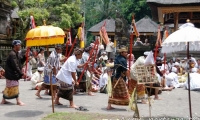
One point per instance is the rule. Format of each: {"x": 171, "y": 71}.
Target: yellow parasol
{"x": 45, "y": 35}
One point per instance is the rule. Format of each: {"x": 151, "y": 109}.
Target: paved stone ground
{"x": 173, "y": 104}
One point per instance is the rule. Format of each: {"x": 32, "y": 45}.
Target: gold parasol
{"x": 45, "y": 35}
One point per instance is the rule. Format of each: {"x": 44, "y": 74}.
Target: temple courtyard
{"x": 173, "y": 104}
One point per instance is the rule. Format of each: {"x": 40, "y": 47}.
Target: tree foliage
{"x": 138, "y": 7}
{"x": 98, "y": 10}
{"x": 62, "y": 13}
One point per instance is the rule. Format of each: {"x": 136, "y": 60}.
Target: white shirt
{"x": 103, "y": 80}
{"x": 68, "y": 67}
{"x": 170, "y": 65}
{"x": 110, "y": 47}
{"x": 35, "y": 78}
{"x": 172, "y": 80}
{"x": 194, "y": 81}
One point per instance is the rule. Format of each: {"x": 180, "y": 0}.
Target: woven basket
{"x": 146, "y": 74}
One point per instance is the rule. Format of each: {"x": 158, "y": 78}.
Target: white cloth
{"x": 103, "y": 80}
{"x": 172, "y": 80}
{"x": 110, "y": 47}
{"x": 196, "y": 64}
{"x": 105, "y": 57}
{"x": 194, "y": 81}
{"x": 149, "y": 59}
{"x": 139, "y": 61}
{"x": 35, "y": 78}
{"x": 174, "y": 69}
{"x": 101, "y": 47}
{"x": 85, "y": 56}
{"x": 170, "y": 65}
{"x": 64, "y": 74}
{"x": 29, "y": 70}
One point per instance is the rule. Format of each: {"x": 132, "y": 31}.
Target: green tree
{"x": 62, "y": 13}
{"x": 138, "y": 7}
{"x": 67, "y": 15}
{"x": 97, "y": 11}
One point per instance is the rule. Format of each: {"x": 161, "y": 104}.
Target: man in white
{"x": 194, "y": 80}
{"x": 172, "y": 79}
{"x": 110, "y": 48}
{"x": 37, "y": 78}
{"x": 103, "y": 81}
{"x": 67, "y": 76}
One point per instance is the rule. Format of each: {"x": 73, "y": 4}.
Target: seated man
{"x": 37, "y": 78}
{"x": 138, "y": 42}
{"x": 172, "y": 79}
{"x": 104, "y": 81}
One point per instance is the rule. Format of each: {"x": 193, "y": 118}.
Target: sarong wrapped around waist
{"x": 65, "y": 91}
{"x": 120, "y": 95}
{"x": 140, "y": 89}
{"x": 12, "y": 89}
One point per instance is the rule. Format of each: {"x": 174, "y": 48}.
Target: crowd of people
{"x": 93, "y": 70}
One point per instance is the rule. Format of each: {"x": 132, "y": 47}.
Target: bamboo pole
{"x": 189, "y": 95}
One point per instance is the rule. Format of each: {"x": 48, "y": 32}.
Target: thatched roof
{"x": 146, "y": 25}
{"x": 173, "y": 1}
{"x": 110, "y": 26}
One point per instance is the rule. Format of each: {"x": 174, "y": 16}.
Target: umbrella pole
{"x": 52, "y": 93}
{"x": 189, "y": 95}
{"x": 27, "y": 57}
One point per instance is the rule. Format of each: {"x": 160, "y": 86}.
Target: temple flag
{"x": 104, "y": 34}
{"x": 32, "y": 22}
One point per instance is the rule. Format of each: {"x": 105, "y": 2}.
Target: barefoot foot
{"x": 38, "y": 95}
{"x": 90, "y": 94}
{"x": 110, "y": 108}
{"x": 57, "y": 103}
{"x": 4, "y": 102}
{"x": 73, "y": 106}
{"x": 20, "y": 103}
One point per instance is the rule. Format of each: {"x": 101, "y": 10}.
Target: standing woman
{"x": 13, "y": 72}
{"x": 41, "y": 58}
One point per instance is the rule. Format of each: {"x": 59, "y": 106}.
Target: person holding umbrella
{"x": 52, "y": 66}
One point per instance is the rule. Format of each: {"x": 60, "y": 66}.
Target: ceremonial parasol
{"x": 45, "y": 35}
{"x": 186, "y": 38}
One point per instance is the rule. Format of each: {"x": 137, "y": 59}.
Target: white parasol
{"x": 177, "y": 41}
{"x": 185, "y": 39}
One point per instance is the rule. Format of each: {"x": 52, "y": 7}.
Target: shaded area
{"x": 24, "y": 113}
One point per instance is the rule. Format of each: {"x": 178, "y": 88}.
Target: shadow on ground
{"x": 23, "y": 113}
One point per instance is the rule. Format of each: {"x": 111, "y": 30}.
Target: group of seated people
{"x": 175, "y": 73}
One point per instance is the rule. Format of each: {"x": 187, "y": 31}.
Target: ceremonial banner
{"x": 104, "y": 34}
